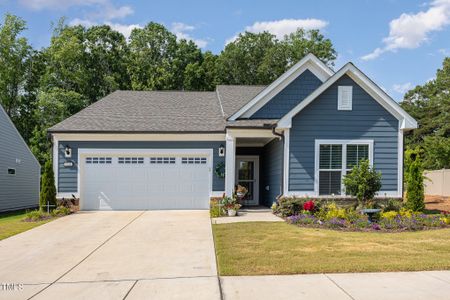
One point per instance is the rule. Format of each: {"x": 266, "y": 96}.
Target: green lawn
{"x": 279, "y": 248}
{"x": 11, "y": 224}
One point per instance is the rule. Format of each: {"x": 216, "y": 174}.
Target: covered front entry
{"x": 133, "y": 180}
{"x": 254, "y": 158}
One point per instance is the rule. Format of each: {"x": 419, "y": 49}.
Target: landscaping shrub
{"x": 48, "y": 189}
{"x": 414, "y": 180}
{"x": 334, "y": 217}
{"x": 289, "y": 206}
{"x": 216, "y": 210}
{"x": 61, "y": 211}
{"x": 363, "y": 182}
{"x": 393, "y": 205}
{"x": 36, "y": 215}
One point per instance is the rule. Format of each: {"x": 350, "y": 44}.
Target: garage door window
{"x": 131, "y": 160}
{"x": 162, "y": 160}
{"x": 193, "y": 160}
{"x": 98, "y": 160}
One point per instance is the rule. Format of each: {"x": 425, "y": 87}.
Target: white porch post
{"x": 230, "y": 163}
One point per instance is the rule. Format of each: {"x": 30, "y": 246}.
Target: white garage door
{"x": 133, "y": 182}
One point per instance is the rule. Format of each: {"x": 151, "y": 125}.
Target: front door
{"x": 247, "y": 175}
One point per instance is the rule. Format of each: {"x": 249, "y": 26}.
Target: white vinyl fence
{"x": 438, "y": 182}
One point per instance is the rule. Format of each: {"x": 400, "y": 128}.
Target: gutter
{"x": 281, "y": 136}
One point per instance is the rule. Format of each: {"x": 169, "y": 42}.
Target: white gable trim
{"x": 407, "y": 122}
{"x": 309, "y": 62}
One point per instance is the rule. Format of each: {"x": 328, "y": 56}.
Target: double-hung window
{"x": 336, "y": 158}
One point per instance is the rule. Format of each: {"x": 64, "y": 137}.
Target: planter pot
{"x": 232, "y": 213}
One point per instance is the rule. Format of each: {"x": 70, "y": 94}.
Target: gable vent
{"x": 345, "y": 97}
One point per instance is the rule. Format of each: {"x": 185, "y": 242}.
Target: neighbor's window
{"x": 330, "y": 169}
{"x": 334, "y": 163}
{"x": 11, "y": 171}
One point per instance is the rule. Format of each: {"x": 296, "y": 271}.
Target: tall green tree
{"x": 48, "y": 189}
{"x": 429, "y": 104}
{"x": 260, "y": 58}
{"x": 414, "y": 180}
{"x": 14, "y": 54}
{"x": 152, "y": 52}
{"x": 107, "y": 51}
{"x": 25, "y": 119}
{"x": 53, "y": 106}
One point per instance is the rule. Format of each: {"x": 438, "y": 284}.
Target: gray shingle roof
{"x": 162, "y": 111}
{"x": 148, "y": 111}
{"x": 233, "y": 97}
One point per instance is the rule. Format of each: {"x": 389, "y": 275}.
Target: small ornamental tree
{"x": 414, "y": 180}
{"x": 363, "y": 182}
{"x": 48, "y": 189}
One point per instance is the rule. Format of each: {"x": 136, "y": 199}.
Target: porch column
{"x": 230, "y": 163}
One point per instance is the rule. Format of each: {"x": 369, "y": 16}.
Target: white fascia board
{"x": 250, "y": 133}
{"x": 368, "y": 85}
{"x": 309, "y": 62}
{"x": 138, "y": 137}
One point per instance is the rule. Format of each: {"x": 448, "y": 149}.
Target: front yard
{"x": 259, "y": 248}
{"x": 12, "y": 223}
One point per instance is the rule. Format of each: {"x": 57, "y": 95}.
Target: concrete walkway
{"x": 259, "y": 214}
{"x": 113, "y": 255}
{"x": 434, "y": 285}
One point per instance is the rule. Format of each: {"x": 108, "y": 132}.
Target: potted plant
{"x": 231, "y": 205}
{"x": 241, "y": 191}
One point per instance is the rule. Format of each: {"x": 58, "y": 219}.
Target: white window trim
{"x": 341, "y": 90}
{"x": 344, "y": 144}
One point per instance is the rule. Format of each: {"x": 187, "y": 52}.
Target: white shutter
{"x": 345, "y": 97}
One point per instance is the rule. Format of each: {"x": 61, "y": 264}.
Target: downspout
{"x": 281, "y": 136}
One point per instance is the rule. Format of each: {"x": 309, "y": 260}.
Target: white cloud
{"x": 125, "y": 29}
{"x": 410, "y": 31}
{"x": 402, "y": 88}
{"x": 103, "y": 9}
{"x": 57, "y": 4}
{"x": 445, "y": 52}
{"x": 282, "y": 27}
{"x": 182, "y": 30}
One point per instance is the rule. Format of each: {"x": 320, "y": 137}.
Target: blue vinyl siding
{"x": 22, "y": 189}
{"x": 321, "y": 120}
{"x": 272, "y": 170}
{"x": 289, "y": 97}
{"x": 67, "y": 176}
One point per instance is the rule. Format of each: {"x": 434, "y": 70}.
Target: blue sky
{"x": 398, "y": 43}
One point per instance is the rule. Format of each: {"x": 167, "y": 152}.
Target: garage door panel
{"x": 146, "y": 182}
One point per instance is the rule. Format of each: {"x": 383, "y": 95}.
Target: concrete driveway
{"x": 113, "y": 255}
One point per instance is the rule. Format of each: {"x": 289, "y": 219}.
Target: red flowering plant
{"x": 309, "y": 206}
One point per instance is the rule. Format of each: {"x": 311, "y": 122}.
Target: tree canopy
{"x": 429, "y": 104}
{"x": 40, "y": 88}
